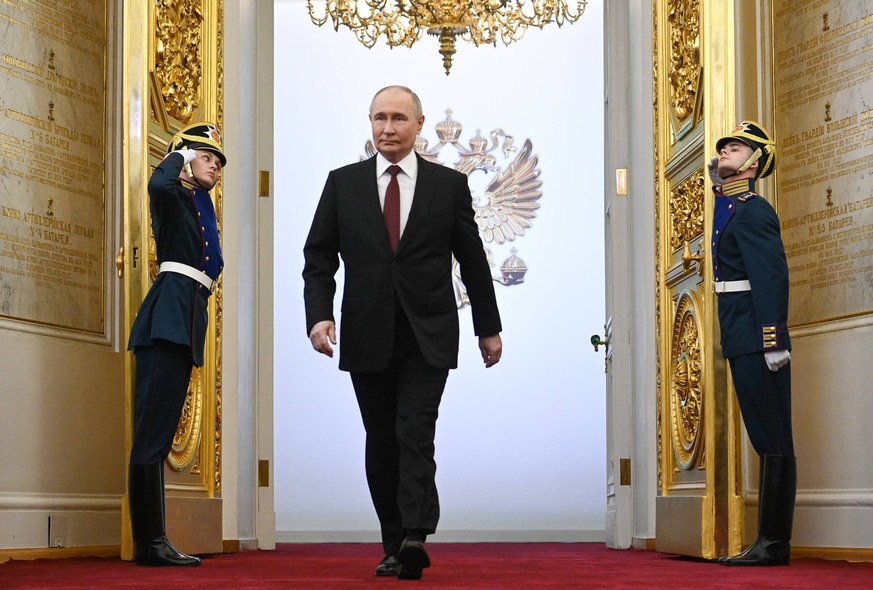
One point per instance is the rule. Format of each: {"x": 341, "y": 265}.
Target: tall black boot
{"x": 181, "y": 554}
{"x": 775, "y": 514}
{"x": 146, "y": 495}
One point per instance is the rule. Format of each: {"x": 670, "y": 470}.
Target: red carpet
{"x": 461, "y": 566}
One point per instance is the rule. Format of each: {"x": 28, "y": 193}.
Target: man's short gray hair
{"x": 416, "y": 102}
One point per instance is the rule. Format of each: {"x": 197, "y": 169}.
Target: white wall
{"x": 521, "y": 446}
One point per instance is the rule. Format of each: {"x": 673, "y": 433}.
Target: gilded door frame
{"x": 159, "y": 40}
{"x": 697, "y": 512}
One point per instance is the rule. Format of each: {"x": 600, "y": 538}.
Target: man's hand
{"x": 322, "y": 335}
{"x": 717, "y": 180}
{"x": 776, "y": 359}
{"x": 492, "y": 348}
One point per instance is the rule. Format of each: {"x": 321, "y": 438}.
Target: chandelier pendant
{"x": 481, "y": 22}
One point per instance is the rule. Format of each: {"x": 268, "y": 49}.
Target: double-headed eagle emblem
{"x": 511, "y": 193}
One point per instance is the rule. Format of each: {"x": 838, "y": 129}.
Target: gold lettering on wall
{"x": 824, "y": 91}
{"x": 52, "y": 121}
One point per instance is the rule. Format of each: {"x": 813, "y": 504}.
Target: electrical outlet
{"x": 57, "y": 531}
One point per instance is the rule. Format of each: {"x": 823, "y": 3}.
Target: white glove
{"x": 776, "y": 359}
{"x": 713, "y": 172}
{"x": 187, "y": 154}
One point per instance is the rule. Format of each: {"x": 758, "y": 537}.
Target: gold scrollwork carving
{"x": 178, "y": 55}
{"x": 686, "y": 210}
{"x": 219, "y": 294}
{"x": 186, "y": 441}
{"x": 657, "y": 194}
{"x": 686, "y": 397}
{"x": 683, "y": 18}
{"x": 219, "y": 388}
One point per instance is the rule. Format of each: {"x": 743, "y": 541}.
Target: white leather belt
{"x": 719, "y": 287}
{"x": 189, "y": 271}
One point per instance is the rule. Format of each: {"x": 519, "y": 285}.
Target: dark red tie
{"x": 392, "y": 207}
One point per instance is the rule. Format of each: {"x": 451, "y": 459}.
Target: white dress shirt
{"x": 405, "y": 179}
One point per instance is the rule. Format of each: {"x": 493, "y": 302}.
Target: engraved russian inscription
{"x": 824, "y": 93}
{"x": 52, "y": 125}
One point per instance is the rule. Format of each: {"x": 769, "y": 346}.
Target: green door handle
{"x": 597, "y": 342}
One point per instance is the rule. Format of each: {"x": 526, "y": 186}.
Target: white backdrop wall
{"x": 520, "y": 446}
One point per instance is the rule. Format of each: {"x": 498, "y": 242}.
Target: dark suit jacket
{"x": 747, "y": 244}
{"x": 185, "y": 230}
{"x": 349, "y": 223}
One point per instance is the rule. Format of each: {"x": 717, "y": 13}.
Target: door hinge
{"x": 263, "y": 473}
{"x": 624, "y": 471}
{"x": 119, "y": 262}
{"x": 264, "y": 183}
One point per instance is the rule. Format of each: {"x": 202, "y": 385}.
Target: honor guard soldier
{"x": 751, "y": 282}
{"x": 168, "y": 334}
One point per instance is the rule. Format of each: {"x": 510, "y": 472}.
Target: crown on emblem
{"x": 448, "y": 130}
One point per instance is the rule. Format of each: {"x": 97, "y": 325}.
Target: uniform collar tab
{"x": 738, "y": 187}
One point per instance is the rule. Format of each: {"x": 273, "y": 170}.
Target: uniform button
{"x": 198, "y": 214}
{"x": 202, "y": 228}
{"x": 207, "y": 243}
{"x": 207, "y": 259}
{"x": 731, "y": 206}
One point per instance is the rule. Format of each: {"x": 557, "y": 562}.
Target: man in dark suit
{"x": 168, "y": 334}
{"x": 399, "y": 333}
{"x": 751, "y": 281}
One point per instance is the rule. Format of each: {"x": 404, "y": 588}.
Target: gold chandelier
{"x": 403, "y": 22}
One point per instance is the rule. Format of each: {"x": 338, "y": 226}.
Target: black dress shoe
{"x": 413, "y": 558}
{"x": 159, "y": 552}
{"x": 388, "y": 566}
{"x": 763, "y": 552}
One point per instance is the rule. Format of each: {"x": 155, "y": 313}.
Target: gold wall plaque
{"x": 52, "y": 204}
{"x": 824, "y": 137}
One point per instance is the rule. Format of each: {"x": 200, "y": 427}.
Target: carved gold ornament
{"x": 178, "y": 55}
{"x": 686, "y": 210}
{"x": 683, "y": 19}
{"x": 186, "y": 442}
{"x": 686, "y": 397}
{"x": 403, "y": 22}
{"x": 657, "y": 197}
{"x": 218, "y": 190}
